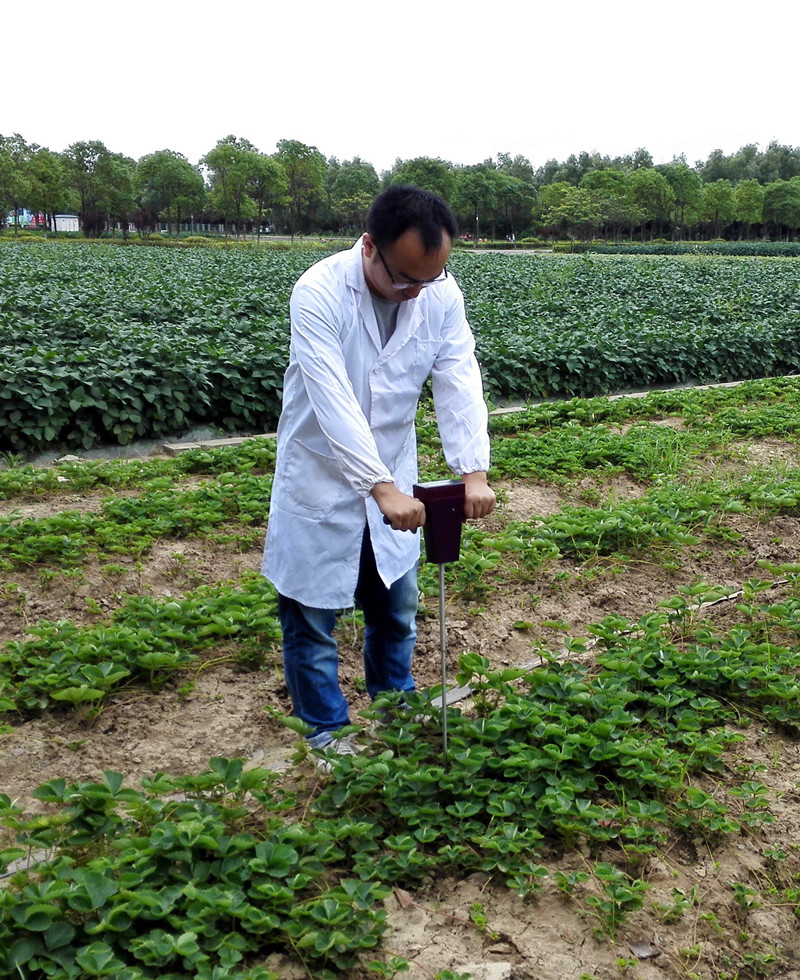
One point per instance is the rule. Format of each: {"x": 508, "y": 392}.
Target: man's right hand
{"x": 403, "y": 512}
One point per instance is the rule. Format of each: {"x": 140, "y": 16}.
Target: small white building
{"x": 66, "y": 222}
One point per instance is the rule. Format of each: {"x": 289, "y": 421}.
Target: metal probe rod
{"x": 443, "y": 648}
{"x": 444, "y": 514}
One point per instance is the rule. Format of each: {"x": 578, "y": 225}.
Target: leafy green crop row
{"x": 549, "y": 440}
{"x": 251, "y": 456}
{"x": 54, "y": 667}
{"x": 198, "y": 876}
{"x": 110, "y": 345}
{"x": 130, "y": 525}
{"x": 777, "y": 249}
{"x": 145, "y": 641}
{"x": 765, "y": 407}
{"x": 179, "y": 889}
{"x": 668, "y": 517}
{"x": 563, "y": 325}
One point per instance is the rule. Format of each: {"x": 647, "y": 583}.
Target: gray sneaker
{"x": 337, "y": 746}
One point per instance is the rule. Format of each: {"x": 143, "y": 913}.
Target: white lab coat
{"x": 348, "y": 423}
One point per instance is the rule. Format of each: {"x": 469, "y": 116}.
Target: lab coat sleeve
{"x": 461, "y": 412}
{"x": 317, "y": 346}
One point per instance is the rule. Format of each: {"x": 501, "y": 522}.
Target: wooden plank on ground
{"x": 173, "y": 448}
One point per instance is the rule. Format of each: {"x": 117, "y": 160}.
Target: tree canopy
{"x": 295, "y": 189}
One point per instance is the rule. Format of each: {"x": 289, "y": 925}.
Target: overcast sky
{"x": 454, "y": 79}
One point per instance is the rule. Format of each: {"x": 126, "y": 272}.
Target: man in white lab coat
{"x": 369, "y": 326}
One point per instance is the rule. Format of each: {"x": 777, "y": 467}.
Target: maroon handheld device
{"x": 444, "y": 515}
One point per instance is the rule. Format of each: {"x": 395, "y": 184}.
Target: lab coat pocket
{"x": 425, "y": 353}
{"x": 316, "y": 480}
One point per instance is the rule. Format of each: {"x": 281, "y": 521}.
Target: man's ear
{"x": 368, "y": 245}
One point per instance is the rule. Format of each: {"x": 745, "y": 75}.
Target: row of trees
{"x": 296, "y": 189}
{"x": 234, "y": 184}
{"x": 776, "y": 162}
{"x": 669, "y": 199}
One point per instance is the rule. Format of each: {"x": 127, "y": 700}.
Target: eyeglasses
{"x": 409, "y": 283}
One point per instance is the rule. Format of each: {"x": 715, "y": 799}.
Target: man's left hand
{"x": 479, "y": 498}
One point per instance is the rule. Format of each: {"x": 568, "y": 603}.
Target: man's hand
{"x": 479, "y": 498}
{"x": 404, "y": 513}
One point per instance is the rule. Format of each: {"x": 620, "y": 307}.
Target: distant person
{"x": 368, "y": 327}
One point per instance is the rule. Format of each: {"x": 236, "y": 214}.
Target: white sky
{"x": 457, "y": 79}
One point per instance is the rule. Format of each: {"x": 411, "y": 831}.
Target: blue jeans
{"x": 311, "y": 657}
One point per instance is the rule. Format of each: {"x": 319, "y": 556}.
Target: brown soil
{"x": 217, "y": 710}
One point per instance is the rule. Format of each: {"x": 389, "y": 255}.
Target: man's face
{"x": 401, "y": 270}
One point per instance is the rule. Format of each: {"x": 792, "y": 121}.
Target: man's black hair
{"x": 401, "y": 207}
